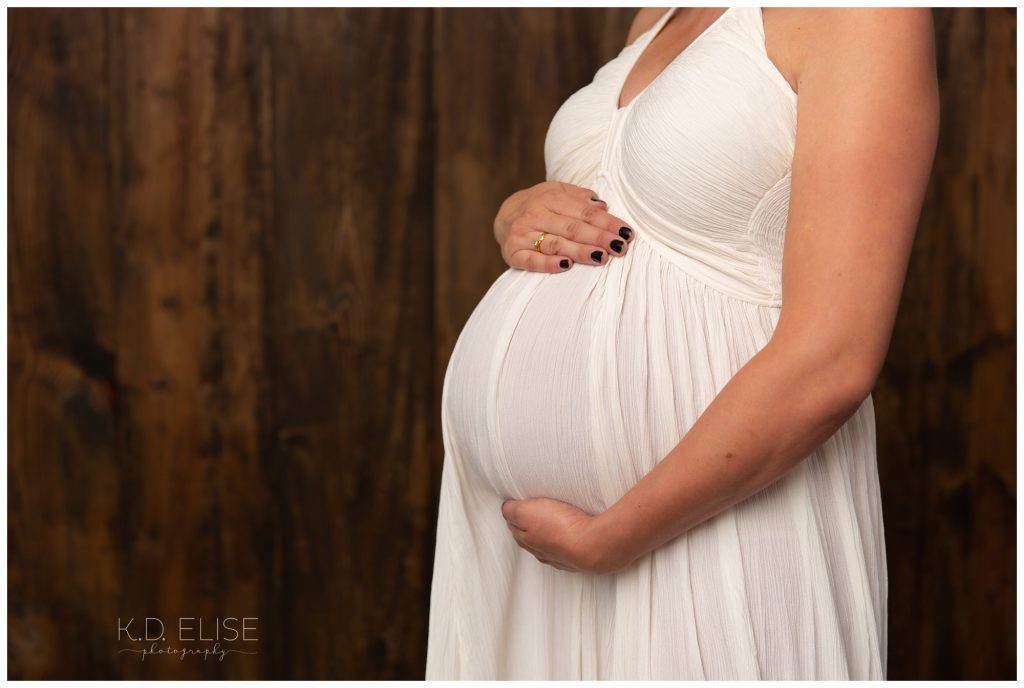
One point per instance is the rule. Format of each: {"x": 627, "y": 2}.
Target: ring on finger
{"x": 538, "y": 240}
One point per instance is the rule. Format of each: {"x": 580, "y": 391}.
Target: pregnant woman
{"x": 660, "y": 440}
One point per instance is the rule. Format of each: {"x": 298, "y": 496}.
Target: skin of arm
{"x": 866, "y": 137}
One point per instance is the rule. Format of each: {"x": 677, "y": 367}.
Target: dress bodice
{"x": 699, "y": 160}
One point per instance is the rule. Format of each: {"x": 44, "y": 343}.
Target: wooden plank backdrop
{"x": 241, "y": 246}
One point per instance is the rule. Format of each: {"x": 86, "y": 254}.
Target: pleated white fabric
{"x": 574, "y": 385}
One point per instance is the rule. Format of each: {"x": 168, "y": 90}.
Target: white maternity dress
{"x": 574, "y": 385}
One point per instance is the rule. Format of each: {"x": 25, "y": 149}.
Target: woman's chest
{"x": 716, "y": 125}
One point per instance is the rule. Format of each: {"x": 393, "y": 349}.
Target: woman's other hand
{"x": 563, "y": 536}
{"x": 578, "y": 227}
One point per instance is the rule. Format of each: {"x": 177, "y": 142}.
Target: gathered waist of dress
{"x": 740, "y": 274}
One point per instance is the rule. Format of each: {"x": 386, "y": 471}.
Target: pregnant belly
{"x": 574, "y": 385}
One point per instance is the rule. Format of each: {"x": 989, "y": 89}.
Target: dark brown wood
{"x": 242, "y": 244}
{"x": 222, "y": 345}
{"x": 946, "y": 400}
{"x": 191, "y": 160}
{"x": 65, "y": 476}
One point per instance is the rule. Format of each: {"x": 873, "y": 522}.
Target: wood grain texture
{"x": 242, "y": 244}
{"x": 65, "y": 553}
{"x": 946, "y": 399}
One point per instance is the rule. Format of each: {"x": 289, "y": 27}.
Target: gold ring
{"x": 536, "y": 242}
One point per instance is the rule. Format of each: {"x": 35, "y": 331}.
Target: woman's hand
{"x": 579, "y": 228}
{"x": 563, "y": 536}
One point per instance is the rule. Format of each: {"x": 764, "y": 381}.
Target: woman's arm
{"x": 866, "y": 135}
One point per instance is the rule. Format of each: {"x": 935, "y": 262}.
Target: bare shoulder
{"x": 644, "y": 20}
{"x": 869, "y": 73}
{"x": 818, "y": 40}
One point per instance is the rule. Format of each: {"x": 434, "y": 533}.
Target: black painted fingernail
{"x": 595, "y": 198}
{"x": 597, "y": 255}
{"x": 625, "y": 232}
{"x": 564, "y": 262}
{"x": 616, "y": 246}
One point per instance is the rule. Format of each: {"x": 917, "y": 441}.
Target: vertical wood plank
{"x": 192, "y": 165}
{"x": 946, "y": 398}
{"x": 63, "y": 478}
{"x": 349, "y": 335}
